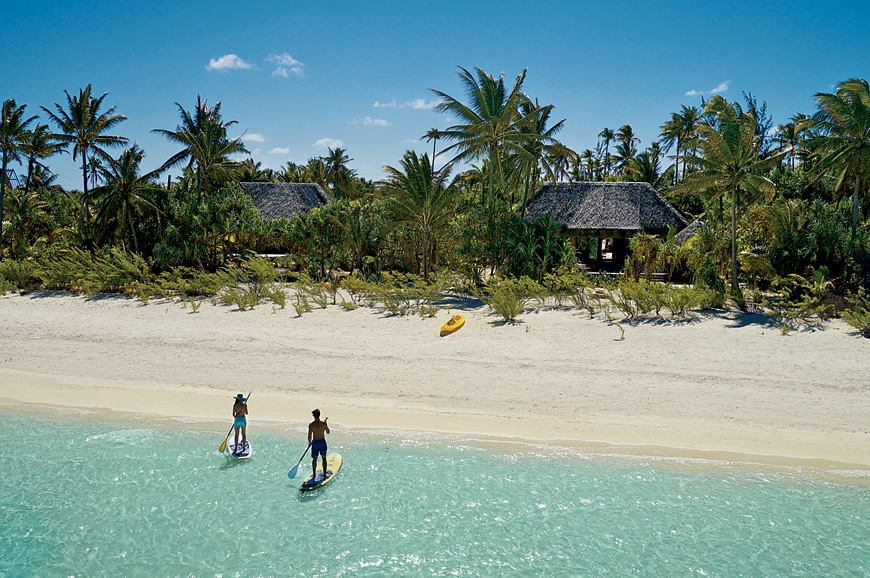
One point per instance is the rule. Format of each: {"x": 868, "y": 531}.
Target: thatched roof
{"x": 690, "y": 231}
{"x": 277, "y": 200}
{"x": 605, "y": 208}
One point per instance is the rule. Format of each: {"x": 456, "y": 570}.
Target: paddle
{"x": 226, "y": 439}
{"x": 292, "y": 473}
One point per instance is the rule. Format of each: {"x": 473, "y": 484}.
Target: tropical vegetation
{"x": 795, "y": 240}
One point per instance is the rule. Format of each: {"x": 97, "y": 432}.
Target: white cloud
{"x": 253, "y": 137}
{"x": 410, "y": 141}
{"x": 369, "y": 121}
{"x": 279, "y": 151}
{"x": 228, "y": 62}
{"x": 286, "y": 65}
{"x": 420, "y": 104}
{"x": 327, "y": 143}
{"x": 722, "y": 87}
{"x": 391, "y": 104}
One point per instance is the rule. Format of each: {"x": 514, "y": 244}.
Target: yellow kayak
{"x": 455, "y": 323}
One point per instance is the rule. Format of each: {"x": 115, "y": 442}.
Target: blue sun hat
{"x": 240, "y": 398}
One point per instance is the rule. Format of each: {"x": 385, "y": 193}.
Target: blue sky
{"x": 307, "y": 74}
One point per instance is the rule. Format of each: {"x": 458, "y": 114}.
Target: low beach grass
{"x": 246, "y": 283}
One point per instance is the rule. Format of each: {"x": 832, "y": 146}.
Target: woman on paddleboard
{"x": 317, "y": 431}
{"x": 240, "y": 410}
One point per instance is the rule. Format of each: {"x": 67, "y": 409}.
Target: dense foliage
{"x": 784, "y": 209}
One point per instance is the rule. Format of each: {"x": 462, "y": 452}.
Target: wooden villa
{"x": 285, "y": 200}
{"x": 609, "y": 213}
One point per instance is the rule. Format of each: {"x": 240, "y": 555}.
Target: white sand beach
{"x": 724, "y": 385}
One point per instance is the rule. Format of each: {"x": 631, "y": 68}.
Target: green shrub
{"x": 428, "y": 311}
{"x": 509, "y": 297}
{"x": 398, "y": 293}
{"x": 707, "y": 277}
{"x": 278, "y": 296}
{"x": 679, "y": 300}
{"x": 858, "y": 316}
{"x": 17, "y": 274}
{"x": 312, "y": 291}
{"x": 83, "y": 272}
{"x": 229, "y": 296}
{"x": 301, "y": 305}
{"x": 358, "y": 289}
{"x": 190, "y": 282}
{"x": 635, "y": 298}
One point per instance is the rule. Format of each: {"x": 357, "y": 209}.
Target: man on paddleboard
{"x": 317, "y": 431}
{"x": 240, "y": 410}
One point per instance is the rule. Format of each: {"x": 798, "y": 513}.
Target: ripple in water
{"x": 93, "y": 499}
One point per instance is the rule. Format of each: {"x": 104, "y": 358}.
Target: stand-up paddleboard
{"x": 243, "y": 454}
{"x": 333, "y": 464}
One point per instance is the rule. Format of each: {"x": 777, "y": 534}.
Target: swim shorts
{"x": 240, "y": 422}
{"x": 318, "y": 447}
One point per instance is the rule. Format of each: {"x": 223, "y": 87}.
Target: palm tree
{"x": 125, "y": 194}
{"x": 842, "y": 137}
{"x": 608, "y": 135}
{"x": 419, "y": 197}
{"x": 432, "y": 134}
{"x": 317, "y": 172}
{"x": 788, "y": 139}
{"x": 43, "y": 178}
{"x": 588, "y": 165}
{"x": 13, "y": 133}
{"x": 28, "y": 220}
{"x": 207, "y": 148}
{"x": 249, "y": 171}
{"x": 681, "y": 130}
{"x": 39, "y": 144}
{"x": 542, "y": 150}
{"x": 627, "y": 147}
{"x": 489, "y": 125}
{"x": 730, "y": 164}
{"x": 95, "y": 167}
{"x": 84, "y": 126}
{"x": 291, "y": 173}
{"x": 336, "y": 165}
{"x": 645, "y": 167}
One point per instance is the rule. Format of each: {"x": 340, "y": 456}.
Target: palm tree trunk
{"x": 425, "y": 256}
{"x": 855, "y": 205}
{"x": 526, "y": 196}
{"x": 434, "y": 144}
{"x": 30, "y": 162}
{"x": 493, "y": 159}
{"x": 133, "y": 230}
{"x": 735, "y": 286}
{"x": 85, "y": 186}
{"x": 2, "y": 192}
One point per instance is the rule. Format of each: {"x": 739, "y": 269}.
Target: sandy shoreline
{"x": 725, "y": 386}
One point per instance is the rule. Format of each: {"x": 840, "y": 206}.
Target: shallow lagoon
{"x": 87, "y": 496}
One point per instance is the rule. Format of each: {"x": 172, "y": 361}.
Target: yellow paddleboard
{"x": 333, "y": 464}
{"x": 452, "y": 325}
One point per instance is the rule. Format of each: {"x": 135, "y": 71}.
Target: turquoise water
{"x": 146, "y": 498}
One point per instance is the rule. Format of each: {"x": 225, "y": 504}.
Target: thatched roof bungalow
{"x": 605, "y": 209}
{"x": 612, "y": 213}
{"x": 285, "y": 200}
{"x": 690, "y": 231}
